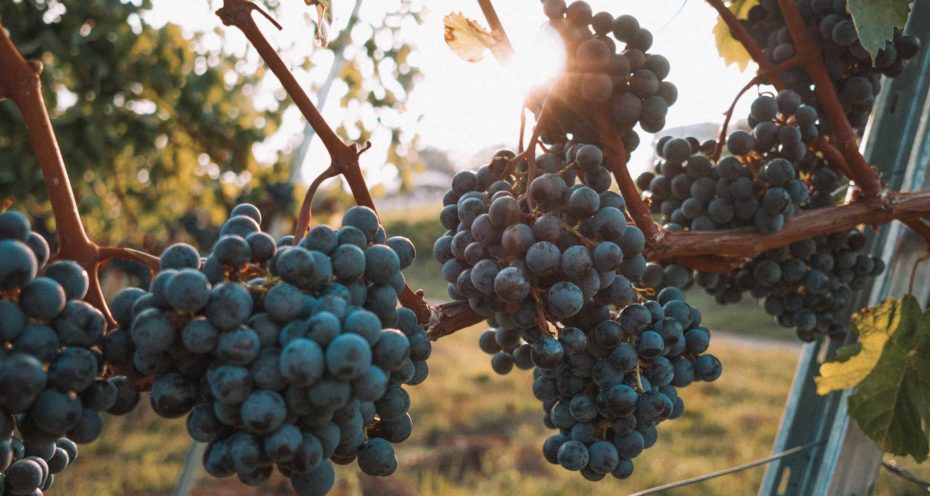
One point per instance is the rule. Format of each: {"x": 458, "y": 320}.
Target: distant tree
{"x": 437, "y": 160}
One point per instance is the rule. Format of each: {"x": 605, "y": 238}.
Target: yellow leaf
{"x": 467, "y": 38}
{"x": 875, "y": 328}
{"x": 729, "y": 47}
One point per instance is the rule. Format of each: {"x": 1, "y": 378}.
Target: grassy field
{"x": 477, "y": 433}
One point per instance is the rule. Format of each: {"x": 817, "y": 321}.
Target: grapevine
{"x": 292, "y": 353}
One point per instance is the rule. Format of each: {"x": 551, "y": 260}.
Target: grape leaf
{"x": 852, "y": 363}
{"x": 467, "y": 38}
{"x": 876, "y": 20}
{"x": 731, "y": 50}
{"x": 892, "y": 404}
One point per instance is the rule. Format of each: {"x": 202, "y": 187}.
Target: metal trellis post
{"x": 898, "y": 143}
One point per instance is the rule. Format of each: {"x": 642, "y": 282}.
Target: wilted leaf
{"x": 876, "y": 20}
{"x": 851, "y": 364}
{"x": 324, "y": 16}
{"x": 467, "y": 38}
{"x": 729, "y": 47}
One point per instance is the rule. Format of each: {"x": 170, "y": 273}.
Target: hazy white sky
{"x": 463, "y": 107}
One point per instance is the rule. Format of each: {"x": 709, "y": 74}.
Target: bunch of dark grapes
{"x": 607, "y": 381}
{"x": 281, "y": 354}
{"x": 552, "y": 252}
{"x": 758, "y": 184}
{"x": 52, "y": 388}
{"x": 631, "y": 82}
{"x": 856, "y": 77}
{"x": 807, "y": 285}
{"x": 540, "y": 263}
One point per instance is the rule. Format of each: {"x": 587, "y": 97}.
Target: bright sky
{"x": 463, "y": 107}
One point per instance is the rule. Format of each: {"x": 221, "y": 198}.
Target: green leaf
{"x": 876, "y": 20}
{"x": 854, "y": 362}
{"x": 729, "y": 47}
{"x": 892, "y": 403}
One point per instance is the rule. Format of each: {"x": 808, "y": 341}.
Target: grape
{"x": 376, "y": 457}
{"x": 261, "y": 246}
{"x": 740, "y": 143}
{"x": 232, "y": 251}
{"x": 152, "y": 330}
{"x": 79, "y": 324}
{"x": 502, "y": 363}
{"x": 229, "y": 305}
{"x": 764, "y": 108}
{"x": 511, "y": 284}
{"x": 188, "y": 290}
{"x": 179, "y": 256}
{"x": 42, "y": 298}
{"x": 173, "y": 396}
{"x": 302, "y": 362}
{"x": 573, "y": 455}
{"x": 71, "y": 276}
{"x": 238, "y": 347}
{"x": 23, "y": 477}
{"x": 74, "y": 369}
{"x": 239, "y": 225}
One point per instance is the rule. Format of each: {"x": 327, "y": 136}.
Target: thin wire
{"x": 674, "y": 16}
{"x": 892, "y": 466}
{"x": 731, "y": 470}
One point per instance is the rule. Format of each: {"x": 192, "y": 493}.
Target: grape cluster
{"x": 856, "y": 78}
{"x": 632, "y": 82}
{"x": 52, "y": 388}
{"x": 607, "y": 386}
{"x": 554, "y": 251}
{"x": 544, "y": 262}
{"x": 281, "y": 354}
{"x": 806, "y": 285}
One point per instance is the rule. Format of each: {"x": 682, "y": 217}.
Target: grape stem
{"x": 531, "y": 150}
{"x": 841, "y": 130}
{"x": 451, "y": 317}
{"x": 303, "y": 220}
{"x": 749, "y": 43}
{"x": 722, "y": 134}
{"x": 922, "y": 259}
{"x": 723, "y": 251}
{"x": 20, "y": 81}
{"x": 497, "y": 29}
{"x": 344, "y": 157}
{"x": 761, "y": 76}
{"x": 615, "y": 158}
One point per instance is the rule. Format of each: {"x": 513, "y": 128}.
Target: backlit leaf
{"x": 729, "y": 47}
{"x": 467, "y": 38}
{"x": 851, "y": 365}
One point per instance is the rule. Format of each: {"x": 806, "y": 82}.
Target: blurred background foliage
{"x": 146, "y": 113}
